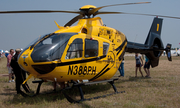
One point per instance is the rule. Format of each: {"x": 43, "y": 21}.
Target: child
{"x": 147, "y": 66}
{"x": 138, "y": 64}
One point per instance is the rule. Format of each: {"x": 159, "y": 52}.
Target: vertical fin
{"x": 156, "y": 26}
{"x": 155, "y": 29}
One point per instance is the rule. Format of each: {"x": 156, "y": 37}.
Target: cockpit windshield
{"x": 50, "y": 47}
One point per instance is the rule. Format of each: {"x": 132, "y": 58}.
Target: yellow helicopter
{"x": 87, "y": 52}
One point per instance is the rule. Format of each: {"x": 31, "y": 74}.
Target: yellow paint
{"x": 157, "y": 27}
{"x": 27, "y": 78}
{"x": 95, "y": 31}
{"x": 60, "y": 27}
{"x": 87, "y": 7}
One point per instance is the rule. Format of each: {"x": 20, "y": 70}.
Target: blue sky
{"x": 18, "y": 30}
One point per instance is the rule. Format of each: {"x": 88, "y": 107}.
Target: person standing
{"x": 139, "y": 64}
{"x": 147, "y": 66}
{"x": 0, "y": 55}
{"x": 121, "y": 69}
{"x": 8, "y": 65}
{"x": 19, "y": 73}
{"x": 6, "y": 53}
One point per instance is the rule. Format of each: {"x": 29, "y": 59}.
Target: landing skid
{"x": 78, "y": 85}
{"x": 75, "y": 84}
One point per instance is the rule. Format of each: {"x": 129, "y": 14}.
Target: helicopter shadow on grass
{"x": 41, "y": 98}
{"x": 49, "y": 96}
{"x": 150, "y": 82}
{"x": 133, "y": 79}
{"x": 8, "y": 91}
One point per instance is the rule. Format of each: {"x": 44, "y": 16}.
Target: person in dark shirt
{"x": 19, "y": 73}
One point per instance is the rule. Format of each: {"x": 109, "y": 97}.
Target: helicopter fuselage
{"x": 87, "y": 51}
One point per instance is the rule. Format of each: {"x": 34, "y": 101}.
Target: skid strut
{"x": 39, "y": 85}
{"x": 37, "y": 91}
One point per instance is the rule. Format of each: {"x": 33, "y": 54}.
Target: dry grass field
{"x": 162, "y": 90}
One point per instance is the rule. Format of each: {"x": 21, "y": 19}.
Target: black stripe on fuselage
{"x": 100, "y": 73}
{"x": 41, "y": 69}
{"x": 120, "y": 47}
{"x": 81, "y": 61}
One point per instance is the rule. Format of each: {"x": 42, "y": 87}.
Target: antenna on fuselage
{"x": 135, "y": 39}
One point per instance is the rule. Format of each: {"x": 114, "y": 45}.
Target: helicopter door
{"x": 75, "y": 49}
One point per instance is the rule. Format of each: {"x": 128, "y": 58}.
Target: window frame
{"x": 85, "y": 51}
{"x": 75, "y": 50}
{"x": 107, "y": 49}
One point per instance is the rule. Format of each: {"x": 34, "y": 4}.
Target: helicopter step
{"x": 75, "y": 84}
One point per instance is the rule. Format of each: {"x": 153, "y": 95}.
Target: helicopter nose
{"x": 23, "y": 61}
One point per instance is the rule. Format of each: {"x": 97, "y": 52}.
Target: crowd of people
{"x": 15, "y": 70}
{"x": 139, "y": 64}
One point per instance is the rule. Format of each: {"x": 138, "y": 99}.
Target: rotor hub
{"x": 87, "y": 7}
{"x": 86, "y": 10}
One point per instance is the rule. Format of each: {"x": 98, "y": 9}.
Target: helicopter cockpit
{"x": 50, "y": 47}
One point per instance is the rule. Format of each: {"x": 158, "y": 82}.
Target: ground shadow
{"x": 50, "y": 96}
{"x": 151, "y": 82}
{"x": 131, "y": 79}
{"x": 8, "y": 91}
{"x": 4, "y": 75}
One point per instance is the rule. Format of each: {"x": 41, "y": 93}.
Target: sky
{"x": 18, "y": 30}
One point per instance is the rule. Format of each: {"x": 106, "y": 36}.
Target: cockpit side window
{"x": 75, "y": 49}
{"x": 105, "y": 48}
{"x": 91, "y": 48}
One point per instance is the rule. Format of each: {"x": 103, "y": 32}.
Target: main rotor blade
{"x": 72, "y": 21}
{"x": 98, "y": 8}
{"x": 38, "y": 11}
{"x": 151, "y": 15}
{"x": 138, "y": 14}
